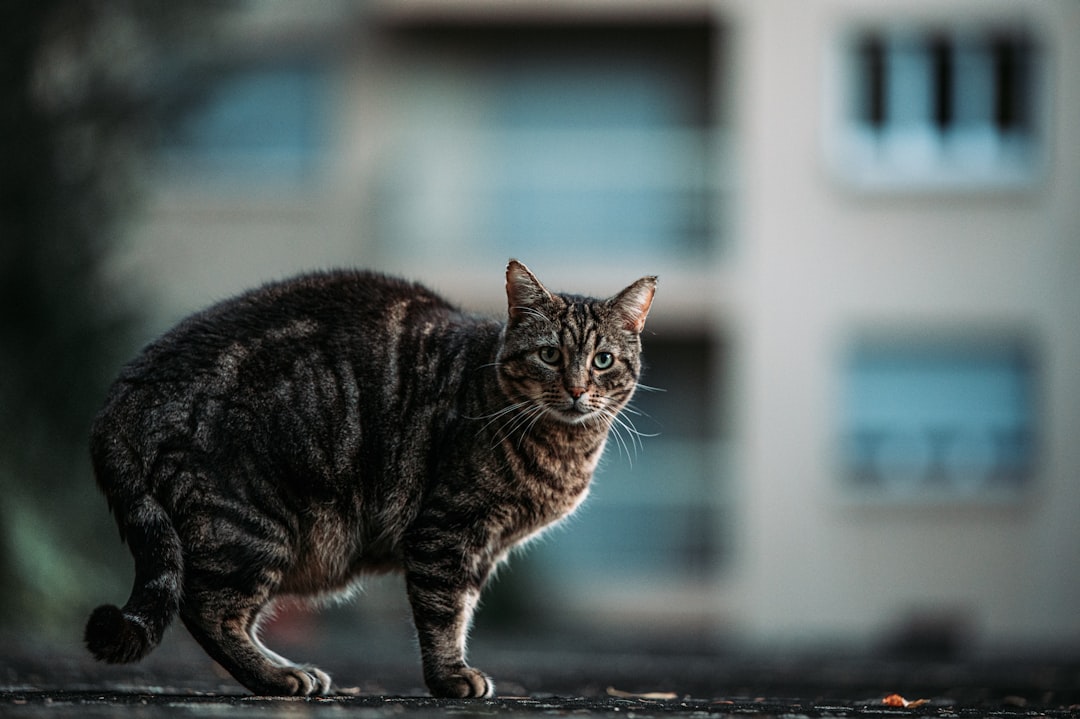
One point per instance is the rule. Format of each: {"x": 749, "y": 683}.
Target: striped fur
{"x": 285, "y": 442}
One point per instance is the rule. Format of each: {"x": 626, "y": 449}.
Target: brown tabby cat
{"x": 287, "y": 441}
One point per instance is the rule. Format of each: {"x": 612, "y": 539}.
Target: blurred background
{"x": 865, "y": 217}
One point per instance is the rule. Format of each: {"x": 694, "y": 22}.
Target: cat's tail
{"x": 119, "y": 635}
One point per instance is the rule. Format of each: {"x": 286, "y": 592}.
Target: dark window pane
{"x": 871, "y": 81}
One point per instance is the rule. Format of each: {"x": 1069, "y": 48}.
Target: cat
{"x": 285, "y": 442}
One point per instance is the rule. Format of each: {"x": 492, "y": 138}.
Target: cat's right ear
{"x": 523, "y": 291}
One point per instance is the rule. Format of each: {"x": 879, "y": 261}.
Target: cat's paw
{"x": 462, "y": 682}
{"x": 300, "y": 681}
{"x": 320, "y": 680}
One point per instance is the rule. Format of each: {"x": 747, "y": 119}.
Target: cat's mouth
{"x": 575, "y": 412}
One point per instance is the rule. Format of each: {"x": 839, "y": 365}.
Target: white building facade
{"x": 866, "y": 222}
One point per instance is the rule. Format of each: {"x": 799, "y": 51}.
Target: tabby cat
{"x": 285, "y": 442}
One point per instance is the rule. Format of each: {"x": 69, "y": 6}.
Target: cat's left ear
{"x": 523, "y": 291}
{"x": 634, "y": 302}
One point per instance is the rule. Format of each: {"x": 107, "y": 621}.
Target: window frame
{"x": 672, "y": 164}
{"x": 962, "y": 488}
{"x": 935, "y": 153}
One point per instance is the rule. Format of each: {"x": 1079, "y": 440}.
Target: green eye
{"x": 603, "y": 360}
{"x": 550, "y": 355}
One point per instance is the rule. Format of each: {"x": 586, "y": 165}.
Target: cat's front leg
{"x": 443, "y": 598}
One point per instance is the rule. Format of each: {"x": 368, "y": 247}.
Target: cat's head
{"x": 572, "y": 359}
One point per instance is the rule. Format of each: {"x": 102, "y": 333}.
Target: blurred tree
{"x": 83, "y": 86}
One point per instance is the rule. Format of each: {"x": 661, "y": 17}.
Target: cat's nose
{"x": 576, "y": 392}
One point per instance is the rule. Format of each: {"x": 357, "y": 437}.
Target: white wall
{"x": 823, "y": 262}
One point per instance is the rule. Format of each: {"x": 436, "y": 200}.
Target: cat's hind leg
{"x": 235, "y": 562}
{"x": 227, "y": 631}
{"x": 321, "y": 678}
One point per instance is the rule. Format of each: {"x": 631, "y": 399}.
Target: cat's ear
{"x": 523, "y": 291}
{"x": 634, "y": 302}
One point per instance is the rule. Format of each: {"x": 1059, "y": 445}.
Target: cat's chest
{"x": 552, "y": 504}
{"x": 530, "y": 514}
{"x": 545, "y": 497}
{"x": 557, "y": 469}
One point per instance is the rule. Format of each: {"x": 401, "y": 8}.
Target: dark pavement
{"x": 565, "y": 675}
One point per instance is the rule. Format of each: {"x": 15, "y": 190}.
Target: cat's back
{"x": 353, "y": 299}
{"x": 301, "y": 313}
{"x": 306, "y": 329}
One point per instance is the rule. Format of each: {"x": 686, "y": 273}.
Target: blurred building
{"x": 866, "y": 221}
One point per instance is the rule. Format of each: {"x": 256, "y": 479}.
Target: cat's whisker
{"x": 635, "y": 436}
{"x": 630, "y": 410}
{"x": 514, "y": 423}
{"x": 490, "y": 422}
{"x": 616, "y": 431}
{"x": 502, "y": 432}
{"x": 637, "y": 432}
{"x": 609, "y": 418}
{"x": 521, "y": 417}
{"x": 648, "y": 388}
{"x": 542, "y": 410}
{"x": 526, "y": 428}
{"x": 624, "y": 423}
{"x": 496, "y": 415}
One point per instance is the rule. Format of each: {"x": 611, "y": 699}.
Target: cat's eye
{"x": 550, "y": 355}
{"x": 603, "y": 360}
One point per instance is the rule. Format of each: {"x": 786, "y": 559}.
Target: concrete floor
{"x": 552, "y": 675}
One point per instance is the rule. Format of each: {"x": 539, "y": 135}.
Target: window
{"x": 254, "y": 122}
{"x": 939, "y": 419}
{"x": 553, "y": 140}
{"x": 938, "y": 108}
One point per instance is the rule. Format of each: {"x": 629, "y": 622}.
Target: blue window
{"x": 943, "y": 107}
{"x": 253, "y": 122}
{"x": 949, "y": 418}
{"x": 574, "y": 140}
